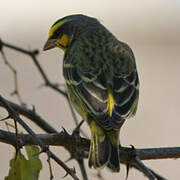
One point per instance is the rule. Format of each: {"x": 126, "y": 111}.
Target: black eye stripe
{"x": 59, "y": 32}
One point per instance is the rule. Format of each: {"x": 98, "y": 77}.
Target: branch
{"x": 16, "y": 89}
{"x": 139, "y": 164}
{"x": 44, "y": 148}
{"x": 82, "y": 144}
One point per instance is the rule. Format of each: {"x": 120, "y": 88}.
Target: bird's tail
{"x": 104, "y": 148}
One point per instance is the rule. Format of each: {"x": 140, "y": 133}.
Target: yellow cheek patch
{"x": 110, "y": 103}
{"x": 63, "y": 42}
{"x": 55, "y": 27}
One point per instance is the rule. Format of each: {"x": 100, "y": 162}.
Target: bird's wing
{"x": 125, "y": 83}
{"x": 92, "y": 79}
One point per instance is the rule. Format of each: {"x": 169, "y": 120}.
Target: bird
{"x": 101, "y": 81}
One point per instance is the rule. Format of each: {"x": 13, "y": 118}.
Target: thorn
{"x": 127, "y": 170}
{"x": 74, "y": 170}
{"x": 76, "y": 130}
{"x": 70, "y": 158}
{"x": 65, "y": 175}
{"x": 33, "y": 108}
{"x": 133, "y": 151}
{"x": 131, "y": 158}
{"x": 1, "y": 44}
{"x": 65, "y": 130}
{"x": 8, "y": 117}
{"x": 132, "y": 146}
{"x": 14, "y": 93}
{"x": 71, "y": 169}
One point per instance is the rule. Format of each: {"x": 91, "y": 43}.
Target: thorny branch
{"x": 44, "y": 148}
{"x": 128, "y": 156}
{"x": 65, "y": 139}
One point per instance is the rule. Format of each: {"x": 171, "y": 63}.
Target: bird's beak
{"x": 50, "y": 43}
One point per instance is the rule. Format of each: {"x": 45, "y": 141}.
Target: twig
{"x": 82, "y": 168}
{"x": 47, "y": 82}
{"x": 144, "y": 169}
{"x": 157, "y": 175}
{"x": 16, "y": 89}
{"x": 50, "y": 168}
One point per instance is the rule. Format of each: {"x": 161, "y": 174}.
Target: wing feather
{"x": 91, "y": 78}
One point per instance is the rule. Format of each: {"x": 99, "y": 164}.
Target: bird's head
{"x": 64, "y": 30}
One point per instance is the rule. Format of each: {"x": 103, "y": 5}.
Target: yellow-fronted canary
{"x": 101, "y": 79}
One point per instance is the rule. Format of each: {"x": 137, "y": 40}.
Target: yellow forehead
{"x": 55, "y": 27}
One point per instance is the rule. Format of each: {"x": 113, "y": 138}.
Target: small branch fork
{"x": 76, "y": 145}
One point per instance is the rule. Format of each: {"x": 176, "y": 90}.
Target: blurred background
{"x": 151, "y": 28}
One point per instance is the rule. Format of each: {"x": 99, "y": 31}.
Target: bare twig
{"x": 144, "y": 169}
{"x": 47, "y": 82}
{"x": 16, "y": 89}
{"x": 50, "y": 168}
{"x": 82, "y": 168}
{"x": 158, "y": 177}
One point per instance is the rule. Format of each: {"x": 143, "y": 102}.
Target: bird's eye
{"x": 57, "y": 34}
